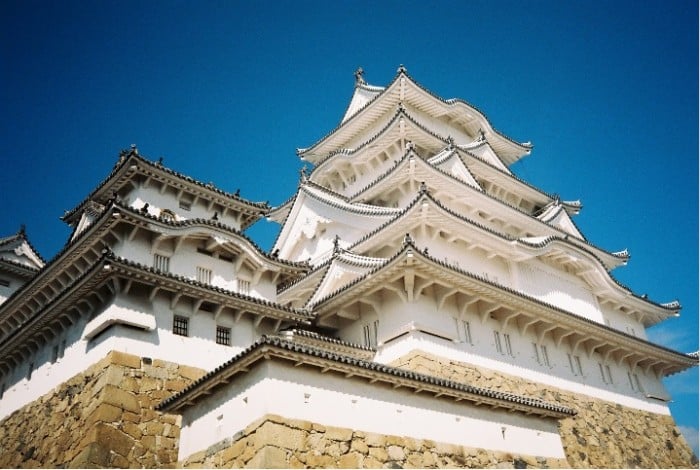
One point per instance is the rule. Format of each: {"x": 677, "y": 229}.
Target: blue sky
{"x": 225, "y": 92}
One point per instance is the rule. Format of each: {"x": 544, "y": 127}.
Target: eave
{"x": 410, "y": 271}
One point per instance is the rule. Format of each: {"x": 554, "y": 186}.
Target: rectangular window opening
{"x": 497, "y": 341}
{"x": 243, "y": 287}
{"x": 223, "y": 335}
{"x": 185, "y": 205}
{"x": 181, "y": 325}
{"x": 509, "y": 348}
{"x": 204, "y": 275}
{"x": 161, "y": 262}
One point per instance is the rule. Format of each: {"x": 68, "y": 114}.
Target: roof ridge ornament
{"x": 482, "y": 135}
{"x": 401, "y": 69}
{"x": 407, "y": 239}
{"x": 336, "y": 245}
{"x": 359, "y": 79}
{"x": 303, "y": 176}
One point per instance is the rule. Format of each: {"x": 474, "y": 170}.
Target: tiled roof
{"x": 417, "y": 253}
{"x": 127, "y": 158}
{"x": 367, "y": 370}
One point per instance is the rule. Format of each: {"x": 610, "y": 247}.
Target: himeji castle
{"x": 421, "y": 306}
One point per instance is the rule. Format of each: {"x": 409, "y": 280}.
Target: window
{"x": 30, "y": 370}
{"x": 203, "y": 275}
{"x": 54, "y": 354}
{"x": 370, "y": 334}
{"x": 635, "y": 383}
{"x": 509, "y": 348}
{"x": 223, "y": 335}
{"x": 4, "y": 283}
{"x": 2, "y": 390}
{"x": 605, "y": 373}
{"x": 62, "y": 349}
{"x": 185, "y": 205}
{"x": 497, "y": 341}
{"x": 464, "y": 331}
{"x": 541, "y": 355}
{"x": 161, "y": 262}
{"x": 181, "y": 325}
{"x": 243, "y": 287}
{"x": 575, "y": 364}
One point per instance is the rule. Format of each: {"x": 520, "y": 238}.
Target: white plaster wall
{"x": 558, "y": 288}
{"x": 328, "y": 399}
{"x": 168, "y": 200}
{"x": 198, "y": 350}
{"x": 522, "y": 364}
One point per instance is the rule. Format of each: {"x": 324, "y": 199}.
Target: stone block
{"x": 190, "y": 373}
{"x": 378, "y": 453}
{"x": 268, "y": 457}
{"x": 350, "y": 460}
{"x": 121, "y": 399}
{"x": 113, "y": 439}
{"x": 124, "y": 359}
{"x": 281, "y": 436}
{"x": 104, "y": 413}
{"x": 358, "y": 445}
{"x": 375, "y": 440}
{"x": 338, "y": 434}
{"x": 395, "y": 452}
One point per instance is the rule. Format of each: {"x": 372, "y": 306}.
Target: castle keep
{"x": 422, "y": 306}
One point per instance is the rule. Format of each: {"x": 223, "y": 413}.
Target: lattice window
{"x": 541, "y": 355}
{"x": 181, "y": 325}
{"x": 497, "y": 341}
{"x": 223, "y": 335}
{"x": 243, "y": 286}
{"x": 464, "y": 331}
{"x": 161, "y": 262}
{"x": 204, "y": 275}
{"x": 370, "y": 334}
{"x": 506, "y": 341}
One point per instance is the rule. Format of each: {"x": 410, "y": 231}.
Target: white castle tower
{"x": 421, "y": 306}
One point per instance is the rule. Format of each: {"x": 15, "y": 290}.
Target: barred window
{"x": 497, "y": 341}
{"x": 161, "y": 262}
{"x": 181, "y": 325}
{"x": 541, "y": 355}
{"x": 464, "y": 331}
{"x": 204, "y": 275}
{"x": 509, "y": 348}
{"x": 243, "y": 286}
{"x": 370, "y": 333}
{"x": 185, "y": 205}
{"x": 223, "y": 335}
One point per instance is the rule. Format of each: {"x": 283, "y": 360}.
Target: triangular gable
{"x": 17, "y": 249}
{"x": 344, "y": 269}
{"x": 362, "y": 95}
{"x": 556, "y": 216}
{"x": 448, "y": 161}
{"x": 486, "y": 153}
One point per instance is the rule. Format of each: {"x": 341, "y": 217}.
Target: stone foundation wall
{"x": 601, "y": 435}
{"x": 277, "y": 442}
{"x": 102, "y": 417}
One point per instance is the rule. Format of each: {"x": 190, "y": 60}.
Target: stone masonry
{"x": 601, "y": 435}
{"x": 103, "y": 417}
{"x": 277, "y": 442}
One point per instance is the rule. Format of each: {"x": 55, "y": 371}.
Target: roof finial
{"x": 450, "y": 142}
{"x": 423, "y": 187}
{"x": 407, "y": 239}
{"x": 359, "y": 79}
{"x": 22, "y": 230}
{"x": 482, "y": 136}
{"x": 134, "y": 150}
{"x": 336, "y": 244}
{"x": 303, "y": 177}
{"x": 401, "y": 69}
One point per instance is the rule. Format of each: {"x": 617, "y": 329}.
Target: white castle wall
{"x": 199, "y": 349}
{"x": 328, "y": 399}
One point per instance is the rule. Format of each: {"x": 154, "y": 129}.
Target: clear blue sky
{"x": 226, "y": 90}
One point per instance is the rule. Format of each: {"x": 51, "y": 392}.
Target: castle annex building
{"x": 422, "y": 306}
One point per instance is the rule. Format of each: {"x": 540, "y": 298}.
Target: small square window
{"x": 185, "y": 205}
{"x": 223, "y": 335}
{"x": 181, "y": 325}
